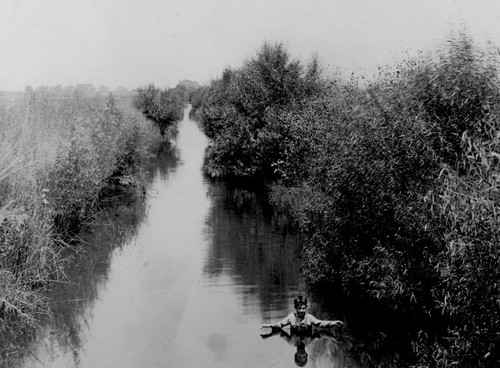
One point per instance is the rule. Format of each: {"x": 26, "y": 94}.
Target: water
{"x": 185, "y": 280}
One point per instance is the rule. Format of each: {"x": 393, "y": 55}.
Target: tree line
{"x": 393, "y": 182}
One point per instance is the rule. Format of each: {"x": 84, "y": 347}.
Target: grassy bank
{"x": 393, "y": 182}
{"x": 61, "y": 152}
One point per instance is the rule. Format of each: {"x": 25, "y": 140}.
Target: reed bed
{"x": 61, "y": 152}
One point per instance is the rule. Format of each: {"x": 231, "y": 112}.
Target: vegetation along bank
{"x": 394, "y": 182}
{"x": 62, "y": 152}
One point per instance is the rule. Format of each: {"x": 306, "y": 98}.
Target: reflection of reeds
{"x": 88, "y": 270}
{"x": 60, "y": 150}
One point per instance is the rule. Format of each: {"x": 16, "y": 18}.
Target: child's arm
{"x": 284, "y": 322}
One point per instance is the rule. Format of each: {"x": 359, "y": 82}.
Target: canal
{"x": 185, "y": 279}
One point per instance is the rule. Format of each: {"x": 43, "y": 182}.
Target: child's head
{"x": 300, "y": 301}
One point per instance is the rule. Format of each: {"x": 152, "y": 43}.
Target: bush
{"x": 162, "y": 107}
{"x": 400, "y": 198}
{"x": 241, "y": 112}
{"x": 367, "y": 163}
{"x": 456, "y": 93}
{"x": 394, "y": 183}
{"x": 197, "y": 96}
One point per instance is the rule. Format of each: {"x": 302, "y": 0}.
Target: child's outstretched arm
{"x": 325, "y": 324}
{"x": 284, "y": 322}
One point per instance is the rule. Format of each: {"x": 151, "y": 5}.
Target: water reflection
{"x": 373, "y": 335}
{"x": 63, "y": 332}
{"x": 72, "y": 301}
{"x": 338, "y": 348}
{"x": 261, "y": 264}
{"x": 167, "y": 158}
{"x": 261, "y": 260}
{"x": 302, "y": 340}
{"x": 203, "y": 266}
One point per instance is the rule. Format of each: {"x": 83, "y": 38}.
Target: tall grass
{"x": 60, "y": 152}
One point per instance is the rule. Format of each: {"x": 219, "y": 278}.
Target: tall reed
{"x": 61, "y": 150}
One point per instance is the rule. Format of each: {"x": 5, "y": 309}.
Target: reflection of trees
{"x": 193, "y": 115}
{"x": 338, "y": 347}
{"x": 244, "y": 245}
{"x": 324, "y": 347}
{"x": 167, "y": 157}
{"x": 373, "y": 335}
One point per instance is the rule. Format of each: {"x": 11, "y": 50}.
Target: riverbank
{"x": 62, "y": 153}
{"x": 141, "y": 284}
{"x": 196, "y": 248}
{"x": 393, "y": 182}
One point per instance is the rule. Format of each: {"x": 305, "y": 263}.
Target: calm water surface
{"x": 184, "y": 280}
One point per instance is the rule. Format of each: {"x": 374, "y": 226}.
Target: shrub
{"x": 241, "y": 112}
{"x": 393, "y": 183}
{"x": 399, "y": 200}
{"x": 162, "y": 107}
{"x": 197, "y": 96}
{"x": 456, "y": 93}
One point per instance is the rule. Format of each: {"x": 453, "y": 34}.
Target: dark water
{"x": 185, "y": 280}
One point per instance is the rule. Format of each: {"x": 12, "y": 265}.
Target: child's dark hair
{"x": 300, "y": 300}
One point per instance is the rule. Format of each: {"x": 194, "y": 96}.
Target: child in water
{"x": 300, "y": 321}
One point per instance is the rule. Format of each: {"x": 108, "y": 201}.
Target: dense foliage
{"x": 164, "y": 107}
{"x": 197, "y": 96}
{"x": 240, "y": 110}
{"x": 61, "y": 151}
{"x": 394, "y": 184}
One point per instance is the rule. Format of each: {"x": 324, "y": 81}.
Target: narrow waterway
{"x": 185, "y": 280}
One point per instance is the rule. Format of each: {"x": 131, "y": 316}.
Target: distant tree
{"x": 69, "y": 90}
{"x": 43, "y": 89}
{"x": 197, "y": 96}
{"x": 188, "y": 85}
{"x": 162, "y": 107}
{"x": 121, "y": 91}
{"x": 104, "y": 90}
{"x": 85, "y": 90}
{"x": 57, "y": 90}
{"x": 29, "y": 94}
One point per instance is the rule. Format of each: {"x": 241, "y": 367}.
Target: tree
{"x": 162, "y": 107}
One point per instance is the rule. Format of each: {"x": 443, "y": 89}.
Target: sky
{"x": 135, "y": 42}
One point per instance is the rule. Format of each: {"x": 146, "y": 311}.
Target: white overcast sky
{"x": 135, "y": 42}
